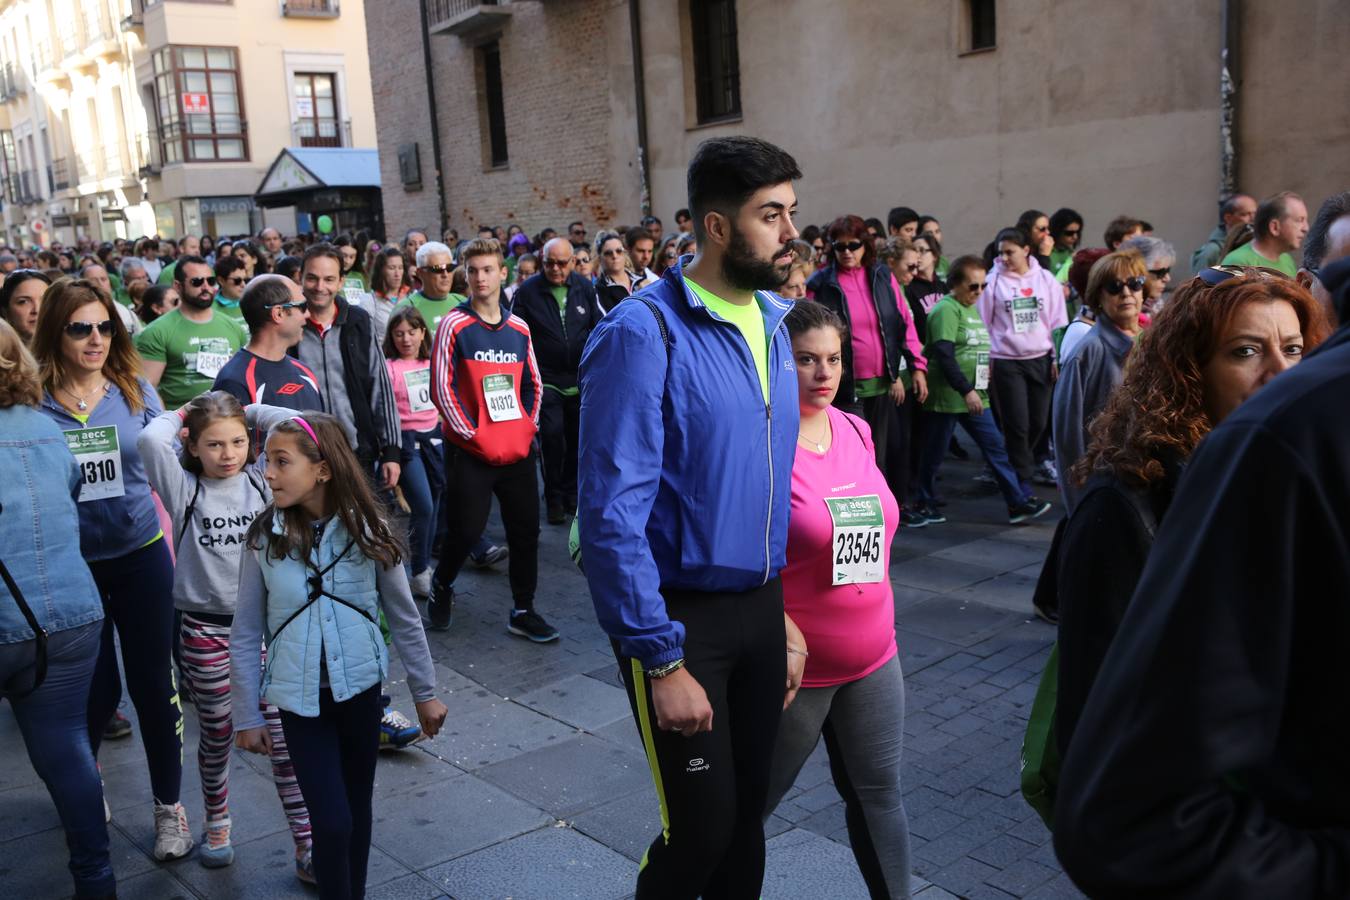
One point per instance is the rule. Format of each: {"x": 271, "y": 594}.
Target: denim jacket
{"x": 115, "y": 526}
{"x": 39, "y": 528}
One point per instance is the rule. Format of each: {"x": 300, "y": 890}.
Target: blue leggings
{"x": 334, "y": 757}
{"x": 137, "y": 592}
{"x": 52, "y": 721}
{"x": 422, "y": 480}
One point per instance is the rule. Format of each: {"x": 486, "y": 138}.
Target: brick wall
{"x": 560, "y": 98}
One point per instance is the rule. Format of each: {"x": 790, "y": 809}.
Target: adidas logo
{"x": 495, "y": 356}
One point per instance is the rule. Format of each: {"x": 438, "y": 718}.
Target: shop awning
{"x": 303, "y": 171}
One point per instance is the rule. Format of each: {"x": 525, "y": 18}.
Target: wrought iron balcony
{"x": 310, "y": 9}
{"x": 466, "y": 18}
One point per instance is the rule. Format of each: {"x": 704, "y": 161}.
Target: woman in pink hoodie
{"x": 1022, "y": 305}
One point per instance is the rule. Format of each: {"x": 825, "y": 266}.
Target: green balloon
{"x": 325, "y": 225}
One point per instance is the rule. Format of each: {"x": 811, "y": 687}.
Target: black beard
{"x": 746, "y": 272}
{"x": 196, "y": 303}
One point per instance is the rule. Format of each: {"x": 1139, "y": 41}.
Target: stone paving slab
{"x": 539, "y": 786}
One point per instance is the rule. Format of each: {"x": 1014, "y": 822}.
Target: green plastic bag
{"x": 1040, "y": 746}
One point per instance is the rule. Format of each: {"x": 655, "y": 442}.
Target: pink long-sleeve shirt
{"x": 869, "y": 358}
{"x": 1022, "y": 311}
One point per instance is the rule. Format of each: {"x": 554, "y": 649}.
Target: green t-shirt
{"x": 192, "y": 353}
{"x": 749, "y": 321}
{"x": 1246, "y": 255}
{"x": 950, "y": 321}
{"x": 433, "y": 310}
{"x": 166, "y": 273}
{"x": 559, "y": 292}
{"x": 230, "y": 308}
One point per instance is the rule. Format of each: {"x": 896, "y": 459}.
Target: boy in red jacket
{"x": 485, "y": 382}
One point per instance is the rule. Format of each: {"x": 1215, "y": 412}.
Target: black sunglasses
{"x": 198, "y": 282}
{"x": 978, "y": 288}
{"x": 238, "y": 279}
{"x": 1161, "y": 273}
{"x": 853, "y": 246}
{"x": 1216, "y": 275}
{"x": 82, "y": 330}
{"x": 1116, "y": 286}
{"x": 1072, "y": 232}
{"x": 436, "y": 270}
{"x": 557, "y": 263}
{"x": 302, "y": 305}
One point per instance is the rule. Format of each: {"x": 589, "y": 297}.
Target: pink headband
{"x": 309, "y": 431}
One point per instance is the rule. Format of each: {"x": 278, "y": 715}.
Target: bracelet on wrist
{"x": 661, "y": 671}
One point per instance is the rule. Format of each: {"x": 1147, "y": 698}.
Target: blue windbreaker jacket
{"x": 684, "y": 472}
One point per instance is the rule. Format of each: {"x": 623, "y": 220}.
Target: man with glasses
{"x": 184, "y": 350}
{"x": 263, "y": 372}
{"x": 231, "y": 277}
{"x": 435, "y": 269}
{"x": 561, "y": 308}
{"x": 576, "y": 233}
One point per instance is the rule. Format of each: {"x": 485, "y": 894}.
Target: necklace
{"x": 80, "y": 400}
{"x": 817, "y": 442}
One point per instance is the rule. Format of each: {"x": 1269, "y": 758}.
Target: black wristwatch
{"x": 661, "y": 671}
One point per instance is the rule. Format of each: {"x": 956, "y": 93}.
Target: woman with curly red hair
{"x": 1224, "y": 335}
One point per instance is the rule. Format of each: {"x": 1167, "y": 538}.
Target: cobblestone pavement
{"x": 538, "y": 787}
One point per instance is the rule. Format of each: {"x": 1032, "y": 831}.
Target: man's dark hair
{"x": 1118, "y": 229}
{"x": 488, "y": 230}
{"x": 682, "y": 214}
{"x": 726, "y": 171}
{"x": 227, "y": 265}
{"x": 1276, "y": 207}
{"x": 571, "y": 225}
{"x": 635, "y": 234}
{"x": 1229, "y": 204}
{"x": 318, "y": 251}
{"x": 259, "y": 295}
{"x": 1061, "y": 219}
{"x": 899, "y": 217}
{"x": 288, "y": 266}
{"x": 1334, "y": 208}
{"x": 1028, "y": 218}
{"x": 179, "y": 273}
{"x": 653, "y": 220}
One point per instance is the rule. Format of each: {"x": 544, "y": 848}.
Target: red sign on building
{"x": 196, "y": 103}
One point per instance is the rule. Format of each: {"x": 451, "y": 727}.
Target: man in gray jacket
{"x": 340, "y": 347}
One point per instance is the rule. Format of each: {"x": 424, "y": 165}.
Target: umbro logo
{"x": 293, "y": 388}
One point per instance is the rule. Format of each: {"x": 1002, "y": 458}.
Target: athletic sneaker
{"x": 173, "y": 839}
{"x": 1029, "y": 508}
{"x": 215, "y": 851}
{"x": 986, "y": 477}
{"x": 1045, "y": 474}
{"x": 531, "y": 625}
{"x": 441, "y": 607}
{"x": 119, "y": 726}
{"x": 421, "y": 583}
{"x": 396, "y": 730}
{"x": 913, "y": 518}
{"x": 933, "y": 516}
{"x": 103, "y": 788}
{"x": 304, "y": 866}
{"x": 491, "y": 556}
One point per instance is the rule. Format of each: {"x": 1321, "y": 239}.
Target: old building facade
{"x": 973, "y": 110}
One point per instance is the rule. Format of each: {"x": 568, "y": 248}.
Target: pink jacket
{"x": 1022, "y": 311}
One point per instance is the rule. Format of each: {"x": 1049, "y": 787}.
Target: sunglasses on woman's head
{"x": 851, "y": 246}
{"x": 81, "y": 330}
{"x": 198, "y": 282}
{"x": 1216, "y": 275}
{"x": 1116, "y": 286}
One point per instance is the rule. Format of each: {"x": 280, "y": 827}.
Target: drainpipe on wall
{"x": 640, "y": 90}
{"x": 1229, "y": 77}
{"x": 435, "y": 122}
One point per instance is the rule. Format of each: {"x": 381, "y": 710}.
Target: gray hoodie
{"x": 207, "y": 543}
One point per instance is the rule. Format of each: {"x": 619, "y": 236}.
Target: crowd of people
{"x": 246, "y": 461}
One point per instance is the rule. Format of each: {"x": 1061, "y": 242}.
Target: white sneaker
{"x": 173, "y": 840}
{"x": 421, "y": 583}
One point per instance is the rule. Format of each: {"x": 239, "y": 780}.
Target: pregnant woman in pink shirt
{"x": 837, "y": 594}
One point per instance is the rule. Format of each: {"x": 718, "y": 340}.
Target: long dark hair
{"x": 349, "y": 492}
{"x": 410, "y": 316}
{"x": 380, "y": 266}
{"x": 201, "y": 413}
{"x": 12, "y": 282}
{"x": 123, "y": 364}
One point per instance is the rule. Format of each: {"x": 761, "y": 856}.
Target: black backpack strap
{"x": 187, "y": 514}
{"x": 660, "y": 320}
{"x": 39, "y": 635}
{"x": 316, "y": 591}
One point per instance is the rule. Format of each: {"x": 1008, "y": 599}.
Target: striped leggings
{"x": 205, "y": 663}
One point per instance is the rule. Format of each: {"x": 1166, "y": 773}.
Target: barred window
{"x": 717, "y": 65}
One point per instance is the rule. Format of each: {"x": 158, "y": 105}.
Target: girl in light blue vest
{"x": 319, "y": 565}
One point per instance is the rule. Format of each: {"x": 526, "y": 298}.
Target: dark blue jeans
{"x": 937, "y": 435}
{"x": 334, "y": 757}
{"x": 137, "y": 591}
{"x": 422, "y": 480}
{"x": 52, "y": 721}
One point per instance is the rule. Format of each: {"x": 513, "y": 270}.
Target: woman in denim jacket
{"x": 39, "y": 534}
{"x": 94, "y": 393}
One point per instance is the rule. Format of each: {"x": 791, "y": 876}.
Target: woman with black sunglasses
{"x": 1088, "y": 375}
{"x": 94, "y": 391}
